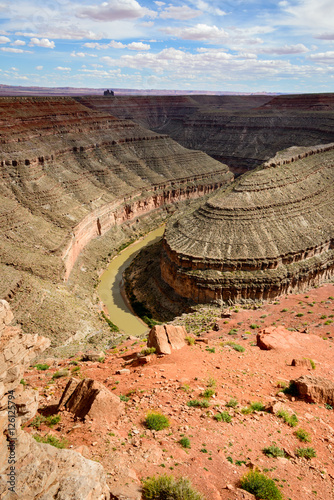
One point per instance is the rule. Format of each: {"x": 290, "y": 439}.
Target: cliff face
{"x": 241, "y": 131}
{"x": 270, "y": 233}
{"x": 29, "y": 469}
{"x": 67, "y": 175}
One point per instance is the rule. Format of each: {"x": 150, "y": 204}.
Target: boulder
{"x": 26, "y": 402}
{"x": 278, "y": 337}
{"x": 93, "y": 356}
{"x": 165, "y": 338}
{"x": 304, "y": 362}
{"x": 68, "y": 391}
{"x": 93, "y": 400}
{"x": 315, "y": 389}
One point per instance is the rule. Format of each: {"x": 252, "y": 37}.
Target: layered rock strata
{"x": 28, "y": 469}
{"x": 241, "y": 131}
{"x": 272, "y": 232}
{"x": 67, "y": 175}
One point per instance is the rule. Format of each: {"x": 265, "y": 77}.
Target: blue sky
{"x": 234, "y": 45}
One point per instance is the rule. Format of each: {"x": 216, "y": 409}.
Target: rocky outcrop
{"x": 28, "y": 469}
{"x": 165, "y": 338}
{"x": 267, "y": 235}
{"x": 278, "y": 337}
{"x": 315, "y": 389}
{"x": 90, "y": 399}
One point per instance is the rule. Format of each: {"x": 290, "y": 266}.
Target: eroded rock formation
{"x": 35, "y": 470}
{"x": 270, "y": 233}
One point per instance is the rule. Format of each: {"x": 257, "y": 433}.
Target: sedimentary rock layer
{"x": 241, "y": 131}
{"x": 67, "y": 175}
{"x": 270, "y": 233}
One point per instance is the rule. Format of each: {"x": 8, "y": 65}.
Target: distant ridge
{"x": 12, "y": 90}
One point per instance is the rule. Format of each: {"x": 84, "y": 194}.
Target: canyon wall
{"x": 68, "y": 174}
{"x": 270, "y": 233}
{"x": 28, "y": 469}
{"x": 241, "y": 131}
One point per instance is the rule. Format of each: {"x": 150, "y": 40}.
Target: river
{"x": 109, "y": 288}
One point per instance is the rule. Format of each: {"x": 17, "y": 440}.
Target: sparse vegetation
{"x": 60, "y": 373}
{"x": 236, "y": 347}
{"x": 232, "y": 403}
{"x": 49, "y": 439}
{"x": 185, "y": 442}
{"x": 156, "y": 421}
{"x": 302, "y": 435}
{"x": 198, "y": 404}
{"x": 168, "y": 488}
{"x": 257, "y": 406}
{"x": 112, "y": 326}
{"x": 208, "y": 393}
{"x": 147, "y": 351}
{"x": 124, "y": 398}
{"x": 291, "y": 420}
{"x": 274, "y": 451}
{"x": 50, "y": 421}
{"x": 307, "y": 453}
{"x": 261, "y": 486}
{"x": 190, "y": 340}
{"x": 223, "y": 416}
{"x": 42, "y": 367}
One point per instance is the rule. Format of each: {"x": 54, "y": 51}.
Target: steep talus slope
{"x": 270, "y": 233}
{"x": 242, "y": 131}
{"x": 68, "y": 174}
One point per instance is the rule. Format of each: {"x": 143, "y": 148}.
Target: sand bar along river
{"x": 111, "y": 281}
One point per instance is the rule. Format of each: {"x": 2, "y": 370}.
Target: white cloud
{"x": 112, "y": 44}
{"x": 4, "y": 39}
{"x": 138, "y": 46}
{"x": 114, "y": 10}
{"x": 286, "y": 49}
{"x": 211, "y": 9}
{"x": 310, "y": 14}
{"x": 323, "y": 57}
{"x": 61, "y": 68}
{"x": 325, "y": 36}
{"x": 19, "y": 42}
{"x": 14, "y": 51}
{"x": 82, "y": 54}
{"x": 39, "y": 68}
{"x": 159, "y": 4}
{"x": 42, "y": 42}
{"x": 201, "y": 32}
{"x": 181, "y": 13}
{"x": 14, "y": 69}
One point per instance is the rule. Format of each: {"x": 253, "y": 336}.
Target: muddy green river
{"x": 111, "y": 281}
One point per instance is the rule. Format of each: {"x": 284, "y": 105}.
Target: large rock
{"x": 315, "y": 389}
{"x": 41, "y": 471}
{"x": 93, "y": 400}
{"x": 164, "y": 338}
{"x": 278, "y": 337}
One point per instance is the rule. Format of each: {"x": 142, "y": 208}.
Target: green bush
{"x": 124, "y": 398}
{"x": 156, "y": 421}
{"x": 51, "y": 440}
{"x": 147, "y": 351}
{"x": 49, "y": 421}
{"x": 302, "y": 435}
{"x": 261, "y": 486}
{"x": 257, "y": 406}
{"x": 223, "y": 416}
{"x": 112, "y": 326}
{"x": 208, "y": 393}
{"x": 274, "y": 451}
{"x": 232, "y": 403}
{"x": 307, "y": 453}
{"x": 168, "y": 488}
{"x": 60, "y": 373}
{"x": 236, "y": 347}
{"x": 291, "y": 420}
{"x": 185, "y": 442}
{"x": 190, "y": 340}
{"x": 198, "y": 404}
{"x": 42, "y": 367}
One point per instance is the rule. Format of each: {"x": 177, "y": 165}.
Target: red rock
{"x": 164, "y": 338}
{"x": 91, "y": 399}
{"x": 278, "y": 337}
{"x": 315, "y": 389}
{"x": 301, "y": 362}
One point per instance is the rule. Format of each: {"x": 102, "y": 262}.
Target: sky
{"x": 235, "y": 45}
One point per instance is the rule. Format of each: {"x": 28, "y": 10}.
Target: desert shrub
{"x": 292, "y": 389}
{"x": 233, "y": 331}
{"x": 246, "y": 410}
{"x": 112, "y": 326}
{"x": 291, "y": 420}
{"x": 185, "y": 442}
{"x": 210, "y": 349}
{"x": 51, "y": 420}
{"x": 257, "y": 406}
{"x": 208, "y": 393}
{"x": 223, "y": 416}
{"x": 147, "y": 351}
{"x": 273, "y": 451}
{"x": 236, "y": 347}
{"x": 312, "y": 364}
{"x": 156, "y": 421}
{"x": 211, "y": 382}
{"x": 168, "y": 488}
{"x": 60, "y": 373}
{"x": 124, "y": 398}
{"x": 49, "y": 439}
{"x": 302, "y": 435}
{"x": 42, "y": 367}
{"x": 261, "y": 486}
{"x": 307, "y": 453}
{"x": 190, "y": 340}
{"x": 328, "y": 407}
{"x": 253, "y": 326}
{"x": 232, "y": 403}
{"x": 23, "y": 382}
{"x": 198, "y": 404}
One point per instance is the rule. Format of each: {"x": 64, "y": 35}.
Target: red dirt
{"x": 130, "y": 451}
